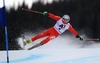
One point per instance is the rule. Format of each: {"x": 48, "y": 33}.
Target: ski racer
{"x": 62, "y": 24}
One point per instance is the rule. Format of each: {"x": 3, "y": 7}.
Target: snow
{"x": 53, "y": 56}
{"x": 1, "y": 3}
{"x": 64, "y": 49}
{"x": 61, "y": 42}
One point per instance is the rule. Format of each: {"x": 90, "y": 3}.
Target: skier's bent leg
{"x": 43, "y": 34}
{"x": 28, "y": 41}
{"x": 48, "y": 39}
{"x": 43, "y": 42}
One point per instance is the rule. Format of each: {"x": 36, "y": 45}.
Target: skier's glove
{"x": 45, "y": 13}
{"x": 80, "y": 38}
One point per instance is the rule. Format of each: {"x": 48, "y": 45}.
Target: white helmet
{"x": 67, "y": 17}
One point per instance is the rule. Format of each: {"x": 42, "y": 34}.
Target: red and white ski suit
{"x": 54, "y": 31}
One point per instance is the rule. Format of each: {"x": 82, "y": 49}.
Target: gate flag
{"x": 3, "y": 24}
{"x": 2, "y": 19}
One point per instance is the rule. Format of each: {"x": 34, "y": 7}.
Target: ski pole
{"x": 90, "y": 39}
{"x": 32, "y": 11}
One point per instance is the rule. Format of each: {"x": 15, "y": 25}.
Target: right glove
{"x": 80, "y": 38}
{"x": 45, "y": 13}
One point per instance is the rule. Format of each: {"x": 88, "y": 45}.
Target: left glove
{"x": 80, "y": 38}
{"x": 45, "y": 13}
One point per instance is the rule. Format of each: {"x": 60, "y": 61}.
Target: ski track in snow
{"x": 61, "y": 42}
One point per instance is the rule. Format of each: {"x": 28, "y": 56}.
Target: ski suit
{"x": 54, "y": 31}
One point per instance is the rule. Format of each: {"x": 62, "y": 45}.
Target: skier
{"x": 62, "y": 24}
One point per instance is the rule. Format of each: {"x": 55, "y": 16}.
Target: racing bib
{"x": 61, "y": 27}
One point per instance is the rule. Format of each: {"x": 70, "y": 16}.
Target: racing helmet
{"x": 67, "y": 17}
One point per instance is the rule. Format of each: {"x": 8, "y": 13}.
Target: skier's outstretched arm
{"x": 71, "y": 29}
{"x": 55, "y": 17}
